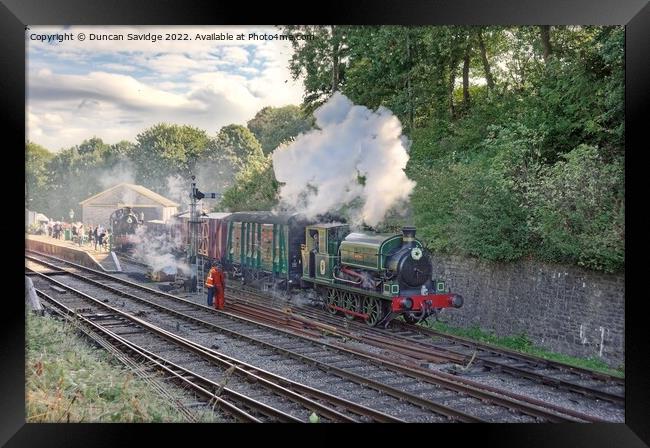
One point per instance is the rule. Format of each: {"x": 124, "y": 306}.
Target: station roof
{"x": 163, "y": 201}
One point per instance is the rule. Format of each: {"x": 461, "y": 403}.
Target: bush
{"x": 255, "y": 187}
{"x": 490, "y": 220}
{"x": 579, "y": 212}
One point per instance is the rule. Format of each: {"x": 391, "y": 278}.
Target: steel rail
{"x": 452, "y": 356}
{"x": 174, "y": 371}
{"x": 445, "y": 382}
{"x": 276, "y": 387}
{"x": 388, "y": 390}
{"x": 274, "y": 382}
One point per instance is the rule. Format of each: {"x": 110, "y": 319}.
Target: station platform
{"x": 85, "y": 255}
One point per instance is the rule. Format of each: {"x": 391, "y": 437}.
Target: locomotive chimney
{"x": 408, "y": 235}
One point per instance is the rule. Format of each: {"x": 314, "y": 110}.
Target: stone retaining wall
{"x": 565, "y": 309}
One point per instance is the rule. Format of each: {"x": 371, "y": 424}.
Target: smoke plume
{"x": 121, "y": 172}
{"x": 354, "y": 160}
{"x": 158, "y": 251}
{"x": 178, "y": 190}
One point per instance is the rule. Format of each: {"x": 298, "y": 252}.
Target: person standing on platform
{"x": 96, "y": 236}
{"x": 219, "y": 282}
{"x": 82, "y": 234}
{"x": 209, "y": 284}
{"x": 102, "y": 235}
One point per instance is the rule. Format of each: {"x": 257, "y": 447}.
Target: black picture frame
{"x": 15, "y": 15}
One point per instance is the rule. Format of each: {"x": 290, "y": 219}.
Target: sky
{"x": 115, "y": 89}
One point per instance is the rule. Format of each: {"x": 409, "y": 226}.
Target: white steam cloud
{"x": 158, "y": 251}
{"x": 121, "y": 172}
{"x": 178, "y": 190}
{"x": 356, "y": 159}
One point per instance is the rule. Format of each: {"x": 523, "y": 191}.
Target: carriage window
{"x": 314, "y": 240}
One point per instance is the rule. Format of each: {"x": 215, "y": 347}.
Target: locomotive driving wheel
{"x": 373, "y": 309}
{"x": 331, "y": 299}
{"x": 351, "y": 302}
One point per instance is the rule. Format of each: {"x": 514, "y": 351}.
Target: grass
{"x": 521, "y": 343}
{"x": 68, "y": 380}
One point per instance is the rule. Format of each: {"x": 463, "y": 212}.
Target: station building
{"x": 97, "y": 209}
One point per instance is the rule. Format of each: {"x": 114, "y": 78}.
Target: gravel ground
{"x": 238, "y": 349}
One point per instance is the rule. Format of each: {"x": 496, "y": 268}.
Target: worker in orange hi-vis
{"x": 209, "y": 283}
{"x": 219, "y": 282}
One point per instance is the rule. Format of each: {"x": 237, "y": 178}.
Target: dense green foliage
{"x": 517, "y": 137}
{"x": 275, "y": 125}
{"x": 165, "y": 149}
{"x": 517, "y": 133}
{"x": 37, "y": 159}
{"x": 255, "y": 188}
{"x": 56, "y": 183}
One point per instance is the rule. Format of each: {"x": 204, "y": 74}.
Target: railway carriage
{"x": 213, "y": 236}
{"x": 265, "y": 247}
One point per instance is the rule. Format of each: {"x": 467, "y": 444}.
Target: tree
{"x": 484, "y": 59}
{"x": 124, "y": 149}
{"x": 37, "y": 176}
{"x": 466, "y": 57}
{"x": 545, "y": 34}
{"x": 255, "y": 188}
{"x": 319, "y": 60}
{"x": 275, "y": 125}
{"x": 168, "y": 149}
{"x": 237, "y": 144}
{"x": 231, "y": 151}
{"x": 93, "y": 145}
{"x": 77, "y": 173}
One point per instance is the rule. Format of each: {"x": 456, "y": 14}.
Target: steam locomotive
{"x": 374, "y": 277}
{"x": 124, "y": 223}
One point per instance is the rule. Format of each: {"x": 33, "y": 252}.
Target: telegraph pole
{"x": 192, "y": 250}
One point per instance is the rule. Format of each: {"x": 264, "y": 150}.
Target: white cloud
{"x": 235, "y": 55}
{"x": 115, "y": 90}
{"x": 172, "y": 64}
{"x": 118, "y": 67}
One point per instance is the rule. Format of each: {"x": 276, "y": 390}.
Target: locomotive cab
{"x": 320, "y": 251}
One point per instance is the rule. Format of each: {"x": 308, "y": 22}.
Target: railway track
{"x": 422, "y": 344}
{"x": 461, "y": 349}
{"x": 427, "y": 344}
{"x": 362, "y": 378}
{"x": 252, "y": 395}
